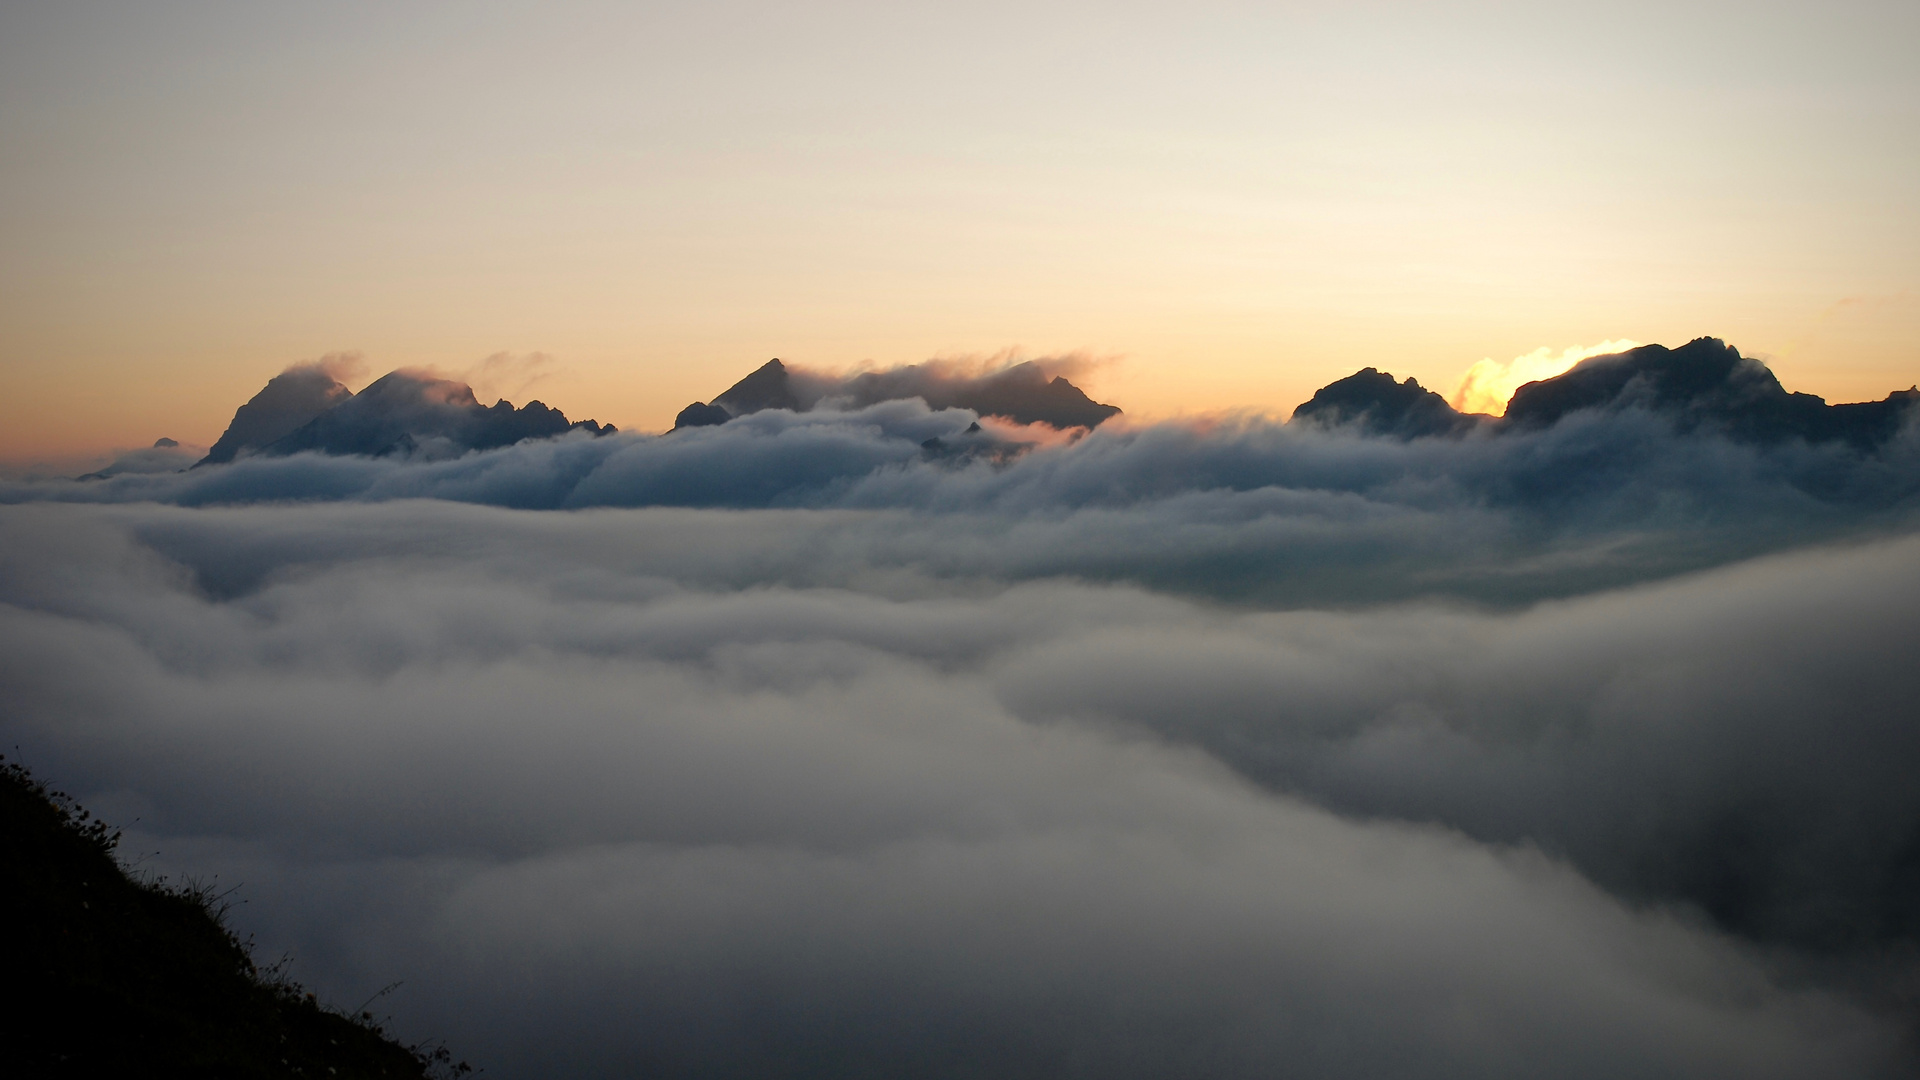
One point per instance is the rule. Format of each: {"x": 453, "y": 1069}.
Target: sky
{"x": 621, "y": 209}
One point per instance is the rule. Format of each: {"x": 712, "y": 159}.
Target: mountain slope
{"x": 113, "y": 977}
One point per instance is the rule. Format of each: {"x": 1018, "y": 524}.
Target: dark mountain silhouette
{"x": 1370, "y": 400}
{"x": 290, "y": 400}
{"x": 701, "y": 414}
{"x": 1022, "y": 393}
{"x": 400, "y": 413}
{"x": 769, "y": 387}
{"x": 116, "y": 977}
{"x": 1704, "y": 384}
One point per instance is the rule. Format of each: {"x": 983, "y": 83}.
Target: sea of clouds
{"x": 805, "y": 746}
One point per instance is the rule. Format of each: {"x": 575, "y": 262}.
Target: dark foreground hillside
{"x": 106, "y": 976}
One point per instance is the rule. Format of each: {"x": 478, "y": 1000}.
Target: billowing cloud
{"x": 607, "y": 815}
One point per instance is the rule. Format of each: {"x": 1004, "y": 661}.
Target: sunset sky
{"x": 630, "y": 206}
{"x": 904, "y": 713}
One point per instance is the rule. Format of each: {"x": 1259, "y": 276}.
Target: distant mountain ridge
{"x": 1703, "y": 385}
{"x": 1707, "y": 383}
{"x": 1021, "y": 392}
{"x": 1372, "y": 400}
{"x": 401, "y": 413}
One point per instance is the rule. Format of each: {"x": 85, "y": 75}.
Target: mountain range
{"x": 1704, "y": 385}
{"x": 401, "y": 413}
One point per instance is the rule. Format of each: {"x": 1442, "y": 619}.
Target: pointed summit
{"x": 289, "y": 401}
{"x": 767, "y": 388}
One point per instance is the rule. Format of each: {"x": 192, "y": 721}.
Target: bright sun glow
{"x": 1488, "y": 384}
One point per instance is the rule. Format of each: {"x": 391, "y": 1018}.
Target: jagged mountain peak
{"x": 403, "y": 412}
{"x": 1705, "y": 383}
{"x": 1374, "y": 402}
{"x": 290, "y": 400}
{"x": 1024, "y": 393}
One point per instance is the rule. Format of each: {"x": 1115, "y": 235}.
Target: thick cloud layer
{"x": 858, "y": 737}
{"x": 705, "y": 792}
